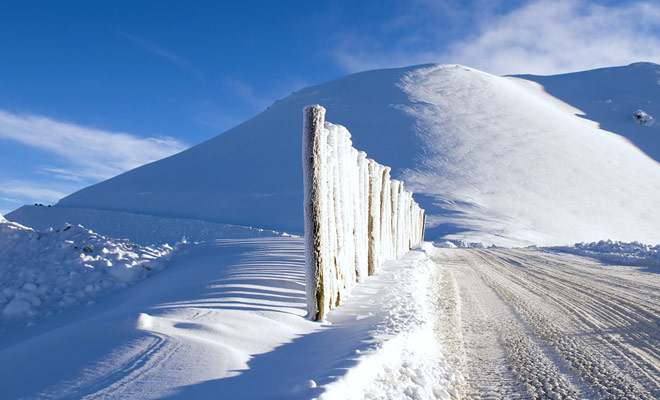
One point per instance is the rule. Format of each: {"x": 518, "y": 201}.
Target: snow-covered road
{"x": 533, "y": 324}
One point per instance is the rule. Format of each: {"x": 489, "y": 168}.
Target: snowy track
{"x": 543, "y": 325}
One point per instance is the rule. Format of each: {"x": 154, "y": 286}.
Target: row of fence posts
{"x": 355, "y": 215}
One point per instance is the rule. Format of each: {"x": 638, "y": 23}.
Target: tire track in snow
{"x": 118, "y": 369}
{"x": 493, "y": 333}
{"x": 629, "y": 337}
{"x": 572, "y": 314}
{"x": 620, "y": 328}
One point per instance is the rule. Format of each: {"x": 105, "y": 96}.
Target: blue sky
{"x": 91, "y": 89}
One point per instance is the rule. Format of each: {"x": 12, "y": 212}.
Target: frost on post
{"x": 355, "y": 215}
{"x": 314, "y": 202}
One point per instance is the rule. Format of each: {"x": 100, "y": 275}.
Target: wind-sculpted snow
{"x": 226, "y": 319}
{"x": 507, "y": 164}
{"x": 355, "y": 215}
{"x": 45, "y": 272}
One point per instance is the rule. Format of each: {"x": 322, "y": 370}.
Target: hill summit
{"x": 498, "y": 160}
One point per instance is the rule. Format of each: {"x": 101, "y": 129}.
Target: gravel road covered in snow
{"x": 533, "y": 324}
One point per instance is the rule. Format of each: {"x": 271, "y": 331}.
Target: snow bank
{"x": 355, "y": 215}
{"x": 138, "y": 228}
{"x": 43, "y": 272}
{"x": 632, "y": 253}
{"x": 227, "y": 317}
{"x": 407, "y": 360}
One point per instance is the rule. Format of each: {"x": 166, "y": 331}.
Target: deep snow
{"x": 46, "y": 272}
{"x": 142, "y": 229}
{"x": 633, "y": 253}
{"x": 492, "y": 159}
{"x": 226, "y": 318}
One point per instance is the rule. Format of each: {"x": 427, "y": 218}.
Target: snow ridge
{"x": 44, "y": 272}
{"x": 615, "y": 252}
{"x": 408, "y": 360}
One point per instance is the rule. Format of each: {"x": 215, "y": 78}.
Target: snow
{"x": 138, "y": 228}
{"x": 514, "y": 166}
{"x": 340, "y": 239}
{"x": 633, "y": 253}
{"x": 45, "y": 272}
{"x": 609, "y": 96}
{"x": 535, "y": 324}
{"x": 228, "y": 317}
{"x": 408, "y": 361}
{"x": 491, "y": 159}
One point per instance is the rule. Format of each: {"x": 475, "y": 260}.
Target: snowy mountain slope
{"x": 519, "y": 167}
{"x": 492, "y": 159}
{"x": 609, "y": 96}
{"x": 251, "y": 175}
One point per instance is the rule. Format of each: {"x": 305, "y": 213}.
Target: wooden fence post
{"x": 314, "y": 201}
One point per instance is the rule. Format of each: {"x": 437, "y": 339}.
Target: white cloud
{"x": 90, "y": 153}
{"x": 30, "y": 192}
{"x": 557, "y": 36}
{"x": 176, "y": 59}
{"x": 247, "y": 94}
{"x": 541, "y": 37}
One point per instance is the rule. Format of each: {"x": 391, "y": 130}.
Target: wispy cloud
{"x": 246, "y": 93}
{"x": 20, "y": 191}
{"x": 245, "y": 102}
{"x": 542, "y": 37}
{"x": 64, "y": 174}
{"x": 176, "y": 59}
{"x": 90, "y": 153}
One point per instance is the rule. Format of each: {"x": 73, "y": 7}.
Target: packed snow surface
{"x": 491, "y": 159}
{"x": 529, "y": 324}
{"x": 45, "y": 272}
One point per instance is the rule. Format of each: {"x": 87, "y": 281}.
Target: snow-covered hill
{"x": 492, "y": 159}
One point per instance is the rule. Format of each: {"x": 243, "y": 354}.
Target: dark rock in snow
{"x": 643, "y": 118}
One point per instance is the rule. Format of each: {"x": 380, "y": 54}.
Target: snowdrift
{"x": 226, "y": 317}
{"x": 46, "y": 272}
{"x": 141, "y": 229}
{"x": 491, "y": 159}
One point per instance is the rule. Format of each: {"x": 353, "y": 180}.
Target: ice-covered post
{"x": 314, "y": 202}
{"x": 356, "y": 216}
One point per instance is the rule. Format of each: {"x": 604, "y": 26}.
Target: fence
{"x": 355, "y": 215}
